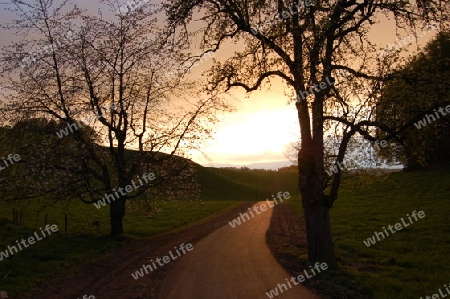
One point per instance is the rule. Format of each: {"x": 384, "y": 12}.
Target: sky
{"x": 263, "y": 124}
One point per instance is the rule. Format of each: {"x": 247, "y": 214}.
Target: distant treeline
{"x": 291, "y": 168}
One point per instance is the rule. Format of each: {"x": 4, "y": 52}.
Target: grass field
{"x": 221, "y": 189}
{"x": 411, "y": 263}
{"x": 31, "y": 265}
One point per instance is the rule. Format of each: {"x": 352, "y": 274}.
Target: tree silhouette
{"x": 420, "y": 86}
{"x": 112, "y": 71}
{"x": 307, "y": 47}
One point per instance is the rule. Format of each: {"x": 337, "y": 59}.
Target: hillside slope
{"x": 253, "y": 185}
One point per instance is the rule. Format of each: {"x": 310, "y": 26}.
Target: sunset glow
{"x": 253, "y": 137}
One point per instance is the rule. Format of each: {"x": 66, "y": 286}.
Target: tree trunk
{"x": 116, "y": 214}
{"x": 318, "y": 233}
{"x": 316, "y": 207}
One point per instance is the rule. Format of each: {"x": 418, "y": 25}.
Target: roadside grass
{"x": 32, "y": 265}
{"x": 221, "y": 190}
{"x": 410, "y": 263}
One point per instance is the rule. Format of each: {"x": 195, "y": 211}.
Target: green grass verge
{"x": 410, "y": 263}
{"x": 33, "y": 264}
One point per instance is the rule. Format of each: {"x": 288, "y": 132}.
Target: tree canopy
{"x": 421, "y": 86}
{"x": 110, "y": 72}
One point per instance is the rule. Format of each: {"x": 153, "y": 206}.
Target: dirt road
{"x": 108, "y": 276}
{"x": 232, "y": 263}
{"x": 242, "y": 257}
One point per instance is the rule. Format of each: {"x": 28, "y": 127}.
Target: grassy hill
{"x": 220, "y": 189}
{"x": 411, "y": 263}
{"x": 222, "y": 183}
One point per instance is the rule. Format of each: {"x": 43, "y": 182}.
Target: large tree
{"x": 117, "y": 72}
{"x": 305, "y": 44}
{"x": 423, "y": 84}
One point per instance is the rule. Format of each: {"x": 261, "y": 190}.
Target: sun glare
{"x": 264, "y": 133}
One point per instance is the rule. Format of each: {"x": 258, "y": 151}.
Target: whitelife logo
{"x": 129, "y": 188}
{"x": 407, "y": 40}
{"x": 279, "y": 17}
{"x": 300, "y": 279}
{"x": 237, "y": 221}
{"x": 75, "y": 126}
{"x": 431, "y": 118}
{"x": 31, "y": 240}
{"x": 397, "y": 226}
{"x": 11, "y": 159}
{"x": 315, "y": 88}
{"x": 69, "y": 38}
{"x": 440, "y": 295}
{"x": 166, "y": 259}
